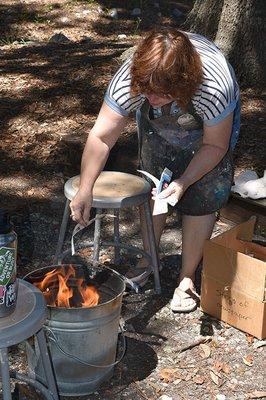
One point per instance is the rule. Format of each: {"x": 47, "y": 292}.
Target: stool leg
{"x": 5, "y": 374}
{"x": 62, "y": 232}
{"x": 116, "y": 236}
{"x": 97, "y": 237}
{"x": 153, "y": 248}
{"x": 47, "y": 366}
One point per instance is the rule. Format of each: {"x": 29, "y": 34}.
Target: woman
{"x": 188, "y": 115}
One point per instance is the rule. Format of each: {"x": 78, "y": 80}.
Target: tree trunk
{"x": 237, "y": 27}
{"x": 204, "y": 18}
{"x": 241, "y": 37}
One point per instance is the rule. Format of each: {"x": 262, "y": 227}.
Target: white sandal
{"x": 182, "y": 295}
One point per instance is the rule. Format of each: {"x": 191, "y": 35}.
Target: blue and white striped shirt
{"x": 215, "y": 98}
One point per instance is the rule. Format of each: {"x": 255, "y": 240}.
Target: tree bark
{"x": 241, "y": 37}
{"x": 204, "y": 18}
{"x": 238, "y": 28}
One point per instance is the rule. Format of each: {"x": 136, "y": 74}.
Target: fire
{"x": 61, "y": 288}
{"x": 64, "y": 293}
{"x": 90, "y": 295}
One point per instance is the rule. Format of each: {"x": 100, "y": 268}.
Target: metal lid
{"x": 28, "y": 317}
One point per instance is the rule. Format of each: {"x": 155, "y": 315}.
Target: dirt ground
{"x": 51, "y": 91}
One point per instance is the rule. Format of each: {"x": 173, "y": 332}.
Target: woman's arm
{"x": 104, "y": 134}
{"x": 214, "y": 147}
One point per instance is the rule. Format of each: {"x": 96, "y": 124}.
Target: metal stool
{"x": 114, "y": 190}
{"x": 27, "y": 320}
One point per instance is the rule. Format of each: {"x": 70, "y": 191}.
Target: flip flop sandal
{"x": 190, "y": 294}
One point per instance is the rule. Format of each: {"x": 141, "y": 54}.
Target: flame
{"x": 59, "y": 292}
{"x": 50, "y": 277}
{"x": 90, "y": 296}
{"x": 64, "y": 293}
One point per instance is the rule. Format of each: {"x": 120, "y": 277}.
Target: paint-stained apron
{"x": 171, "y": 141}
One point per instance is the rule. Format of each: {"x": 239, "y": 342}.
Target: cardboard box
{"x": 234, "y": 280}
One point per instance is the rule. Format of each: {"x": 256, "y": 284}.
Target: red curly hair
{"x": 166, "y": 63}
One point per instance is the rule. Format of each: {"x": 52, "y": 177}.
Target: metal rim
{"x": 80, "y": 265}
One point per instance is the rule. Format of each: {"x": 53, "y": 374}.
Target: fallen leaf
{"x": 169, "y": 375}
{"x": 221, "y": 366}
{"x": 256, "y": 395}
{"x": 206, "y": 350}
{"x": 199, "y": 379}
{"x": 250, "y": 338}
{"x": 218, "y": 366}
{"x": 248, "y": 360}
{"x": 214, "y": 378}
{"x": 166, "y": 375}
{"x": 225, "y": 368}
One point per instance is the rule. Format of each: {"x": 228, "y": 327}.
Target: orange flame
{"x": 90, "y": 295}
{"x": 64, "y": 293}
{"x": 59, "y": 292}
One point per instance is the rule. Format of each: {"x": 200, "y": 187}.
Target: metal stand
{"x": 27, "y": 320}
{"x": 139, "y": 198}
{"x": 5, "y": 374}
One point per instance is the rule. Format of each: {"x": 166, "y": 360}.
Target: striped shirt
{"x": 214, "y": 100}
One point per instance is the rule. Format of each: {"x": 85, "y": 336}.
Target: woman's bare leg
{"x": 195, "y": 230}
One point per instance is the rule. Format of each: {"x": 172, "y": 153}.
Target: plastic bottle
{"x": 8, "y": 265}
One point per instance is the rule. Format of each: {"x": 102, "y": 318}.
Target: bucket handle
{"x": 51, "y": 335}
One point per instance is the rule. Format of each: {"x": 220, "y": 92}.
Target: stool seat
{"x": 113, "y": 189}
{"x": 28, "y": 317}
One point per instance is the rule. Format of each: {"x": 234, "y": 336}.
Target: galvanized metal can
{"x": 8, "y": 266}
{"x": 82, "y": 341}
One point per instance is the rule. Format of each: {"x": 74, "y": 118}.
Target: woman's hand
{"x": 175, "y": 190}
{"x": 80, "y": 208}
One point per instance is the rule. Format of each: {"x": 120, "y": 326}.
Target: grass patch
{"x": 8, "y": 40}
{"x": 32, "y": 16}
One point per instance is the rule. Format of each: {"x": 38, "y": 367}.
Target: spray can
{"x": 8, "y": 265}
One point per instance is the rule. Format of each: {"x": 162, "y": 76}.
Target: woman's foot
{"x": 185, "y": 298}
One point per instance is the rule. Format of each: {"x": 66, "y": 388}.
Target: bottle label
{"x": 7, "y": 264}
{"x": 8, "y": 294}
